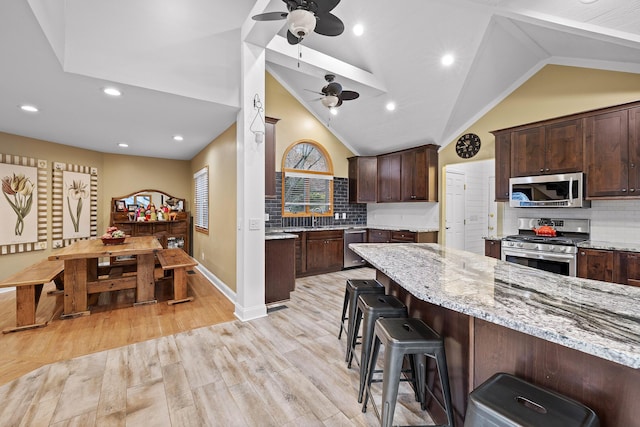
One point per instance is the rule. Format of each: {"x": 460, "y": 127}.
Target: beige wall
{"x": 219, "y": 246}
{"x": 117, "y": 175}
{"x": 297, "y": 123}
{"x": 553, "y": 91}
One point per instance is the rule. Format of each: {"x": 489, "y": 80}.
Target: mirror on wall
{"x": 144, "y": 198}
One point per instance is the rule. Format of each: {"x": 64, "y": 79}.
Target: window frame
{"x": 201, "y": 205}
{"x": 309, "y": 174}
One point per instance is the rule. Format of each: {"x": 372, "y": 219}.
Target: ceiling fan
{"x": 305, "y": 16}
{"x": 333, "y": 95}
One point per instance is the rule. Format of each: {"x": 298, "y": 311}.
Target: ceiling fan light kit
{"x": 301, "y": 22}
{"x": 330, "y": 101}
{"x": 305, "y": 16}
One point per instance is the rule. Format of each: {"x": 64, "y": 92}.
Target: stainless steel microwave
{"x": 548, "y": 191}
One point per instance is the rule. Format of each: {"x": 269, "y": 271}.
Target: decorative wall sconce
{"x": 257, "y": 127}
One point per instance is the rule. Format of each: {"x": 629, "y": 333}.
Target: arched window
{"x": 307, "y": 182}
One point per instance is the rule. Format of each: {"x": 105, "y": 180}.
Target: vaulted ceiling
{"x": 178, "y": 65}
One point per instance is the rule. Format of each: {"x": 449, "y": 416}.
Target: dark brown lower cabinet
{"x": 627, "y": 268}
{"x": 609, "y": 266}
{"x": 595, "y": 264}
{"x": 492, "y": 248}
{"x": 280, "y": 273}
{"x": 324, "y": 251}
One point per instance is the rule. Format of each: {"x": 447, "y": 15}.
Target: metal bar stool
{"x": 406, "y": 337}
{"x": 507, "y": 401}
{"x": 369, "y": 309}
{"x": 355, "y": 288}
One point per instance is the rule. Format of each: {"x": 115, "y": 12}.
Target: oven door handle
{"x": 544, "y": 256}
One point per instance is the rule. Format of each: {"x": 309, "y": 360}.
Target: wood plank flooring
{"x": 286, "y": 369}
{"x": 114, "y": 322}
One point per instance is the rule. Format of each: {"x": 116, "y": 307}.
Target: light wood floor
{"x": 286, "y": 369}
{"x": 22, "y": 352}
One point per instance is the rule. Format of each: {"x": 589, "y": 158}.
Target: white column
{"x": 250, "y": 175}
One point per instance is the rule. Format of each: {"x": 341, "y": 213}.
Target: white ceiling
{"x": 178, "y": 64}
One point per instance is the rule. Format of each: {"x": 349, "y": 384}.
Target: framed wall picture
{"x": 132, "y": 208}
{"x": 23, "y": 204}
{"x": 120, "y": 206}
{"x": 74, "y": 204}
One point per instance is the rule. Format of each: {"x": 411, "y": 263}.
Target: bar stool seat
{"x": 406, "y": 337}
{"x": 355, "y": 288}
{"x": 370, "y": 308}
{"x": 507, "y": 401}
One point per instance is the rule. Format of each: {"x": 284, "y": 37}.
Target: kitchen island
{"x": 576, "y": 336}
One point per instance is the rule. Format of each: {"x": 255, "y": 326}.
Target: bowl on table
{"x": 112, "y": 240}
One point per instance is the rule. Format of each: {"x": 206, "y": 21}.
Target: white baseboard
{"x": 222, "y": 287}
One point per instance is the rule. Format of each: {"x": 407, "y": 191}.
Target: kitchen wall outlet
{"x": 254, "y": 223}
{"x": 336, "y": 215}
{"x": 202, "y": 256}
{"x": 266, "y": 217}
{"x": 344, "y": 215}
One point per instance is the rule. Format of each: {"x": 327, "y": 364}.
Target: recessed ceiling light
{"x": 123, "y": 145}
{"x": 112, "y": 91}
{"x": 358, "y": 30}
{"x": 447, "y": 59}
{"x": 178, "y": 138}
{"x": 29, "y": 108}
{"x": 333, "y": 111}
{"x": 391, "y": 106}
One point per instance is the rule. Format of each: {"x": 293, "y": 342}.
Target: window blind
{"x": 201, "y": 180}
{"x": 307, "y": 193}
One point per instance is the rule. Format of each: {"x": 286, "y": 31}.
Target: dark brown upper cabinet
{"x": 502, "y": 165}
{"x": 363, "y": 179}
{"x": 419, "y": 174}
{"x": 607, "y": 154}
{"x": 389, "y": 171}
{"x": 548, "y": 149}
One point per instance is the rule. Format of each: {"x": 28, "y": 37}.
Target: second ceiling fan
{"x": 333, "y": 94}
{"x": 305, "y": 16}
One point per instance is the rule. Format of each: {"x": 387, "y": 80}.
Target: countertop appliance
{"x": 557, "y": 254}
{"x": 548, "y": 191}
{"x": 352, "y": 259}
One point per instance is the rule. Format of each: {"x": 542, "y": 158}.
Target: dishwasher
{"x": 352, "y": 259}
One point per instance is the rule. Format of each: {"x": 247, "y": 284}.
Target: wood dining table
{"x": 81, "y": 278}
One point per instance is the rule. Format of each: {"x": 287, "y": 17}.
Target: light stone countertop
{"x": 351, "y": 227}
{"x": 598, "y": 318}
{"x": 279, "y": 236}
{"x": 611, "y": 246}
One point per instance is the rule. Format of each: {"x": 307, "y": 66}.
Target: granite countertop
{"x": 351, "y": 227}
{"x": 492, "y": 237}
{"x": 598, "y": 318}
{"x": 599, "y": 244}
{"x": 279, "y": 236}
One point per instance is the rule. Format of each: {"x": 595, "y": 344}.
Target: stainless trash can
{"x": 507, "y": 401}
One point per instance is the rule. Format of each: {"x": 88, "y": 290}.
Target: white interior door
{"x": 455, "y": 207}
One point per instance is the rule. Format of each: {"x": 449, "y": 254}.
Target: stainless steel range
{"x": 546, "y": 244}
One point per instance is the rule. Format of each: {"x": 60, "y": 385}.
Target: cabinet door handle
{"x": 541, "y": 169}
{"x": 582, "y": 254}
{"x": 624, "y": 190}
{"x": 547, "y": 169}
{"x": 632, "y": 190}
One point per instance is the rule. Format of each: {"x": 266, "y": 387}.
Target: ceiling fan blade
{"x": 348, "y": 95}
{"x": 270, "y": 16}
{"x": 339, "y": 102}
{"x": 326, "y": 6}
{"x": 328, "y": 24}
{"x": 333, "y": 88}
{"x": 316, "y": 92}
{"x": 293, "y": 39}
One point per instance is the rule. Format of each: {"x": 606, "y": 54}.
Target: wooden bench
{"x": 178, "y": 261}
{"x": 28, "y": 284}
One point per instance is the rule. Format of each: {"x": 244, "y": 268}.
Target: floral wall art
{"x": 75, "y": 203}
{"x": 23, "y": 204}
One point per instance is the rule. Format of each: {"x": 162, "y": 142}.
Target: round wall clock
{"x": 468, "y": 145}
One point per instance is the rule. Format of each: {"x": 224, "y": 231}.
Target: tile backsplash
{"x": 356, "y": 213}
